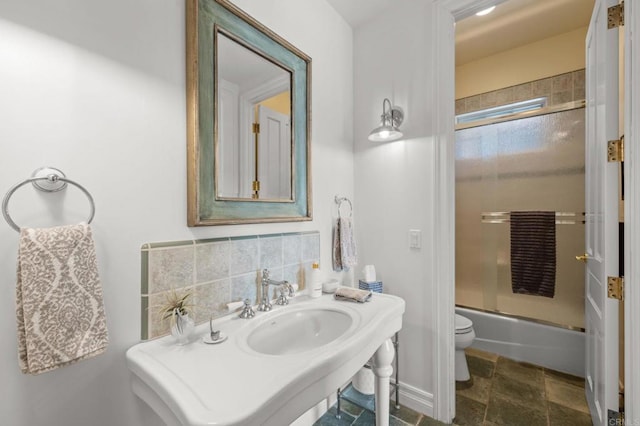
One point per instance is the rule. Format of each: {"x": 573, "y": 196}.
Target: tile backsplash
{"x": 218, "y": 271}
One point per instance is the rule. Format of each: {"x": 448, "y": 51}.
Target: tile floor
{"x": 501, "y": 392}
{"x": 507, "y": 392}
{"x": 351, "y": 414}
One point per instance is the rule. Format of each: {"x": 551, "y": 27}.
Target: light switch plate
{"x": 415, "y": 238}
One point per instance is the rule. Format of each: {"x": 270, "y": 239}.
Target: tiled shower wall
{"x": 558, "y": 89}
{"x": 218, "y": 271}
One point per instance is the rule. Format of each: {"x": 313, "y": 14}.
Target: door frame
{"x": 445, "y": 13}
{"x": 632, "y": 211}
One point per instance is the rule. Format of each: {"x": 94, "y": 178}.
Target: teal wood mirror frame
{"x": 204, "y": 19}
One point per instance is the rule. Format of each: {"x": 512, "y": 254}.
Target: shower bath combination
{"x": 535, "y": 162}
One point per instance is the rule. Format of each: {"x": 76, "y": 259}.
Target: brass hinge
{"x": 615, "y": 287}
{"x": 256, "y": 128}
{"x": 615, "y": 150}
{"x": 615, "y": 16}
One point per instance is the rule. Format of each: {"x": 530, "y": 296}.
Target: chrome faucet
{"x": 265, "y": 302}
{"x": 282, "y": 297}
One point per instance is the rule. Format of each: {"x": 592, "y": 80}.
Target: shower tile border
{"x": 557, "y": 89}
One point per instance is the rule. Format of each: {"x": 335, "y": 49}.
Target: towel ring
{"x": 47, "y": 179}
{"x": 339, "y": 201}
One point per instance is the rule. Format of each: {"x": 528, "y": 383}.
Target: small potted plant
{"x": 177, "y": 308}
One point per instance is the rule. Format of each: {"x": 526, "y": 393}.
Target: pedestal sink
{"x": 298, "y": 330}
{"x": 272, "y": 368}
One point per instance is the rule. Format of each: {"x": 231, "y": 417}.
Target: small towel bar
{"x": 46, "y": 179}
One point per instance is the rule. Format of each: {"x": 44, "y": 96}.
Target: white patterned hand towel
{"x": 59, "y": 304}
{"x": 344, "y": 245}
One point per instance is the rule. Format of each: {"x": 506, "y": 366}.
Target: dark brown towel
{"x": 533, "y": 253}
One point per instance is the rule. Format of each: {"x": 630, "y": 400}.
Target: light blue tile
{"x": 293, "y": 274}
{"x": 212, "y": 299}
{"x": 311, "y": 247}
{"x": 212, "y": 261}
{"x": 270, "y": 252}
{"x": 275, "y": 274}
{"x": 245, "y": 287}
{"x": 291, "y": 249}
{"x": 244, "y": 256}
{"x": 170, "y": 268}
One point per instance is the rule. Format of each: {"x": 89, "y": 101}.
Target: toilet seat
{"x": 463, "y": 325}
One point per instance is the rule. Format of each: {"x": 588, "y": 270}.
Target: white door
{"x": 601, "y": 237}
{"x": 274, "y": 154}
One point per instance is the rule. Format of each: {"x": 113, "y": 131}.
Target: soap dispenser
{"x": 315, "y": 281}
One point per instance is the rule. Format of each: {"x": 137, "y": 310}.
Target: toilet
{"x": 464, "y": 338}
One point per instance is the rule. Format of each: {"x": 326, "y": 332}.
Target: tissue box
{"x": 375, "y": 286}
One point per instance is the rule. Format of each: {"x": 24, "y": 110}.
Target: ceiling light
{"x": 486, "y": 11}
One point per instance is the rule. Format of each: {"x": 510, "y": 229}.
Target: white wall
{"x": 395, "y": 181}
{"x": 97, "y": 89}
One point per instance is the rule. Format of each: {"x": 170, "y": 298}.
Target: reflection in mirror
{"x": 254, "y": 156}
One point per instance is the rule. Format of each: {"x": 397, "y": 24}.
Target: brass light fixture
{"x": 390, "y": 121}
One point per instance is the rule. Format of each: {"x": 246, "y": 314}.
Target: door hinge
{"x": 256, "y": 128}
{"x": 615, "y": 16}
{"x": 255, "y": 186}
{"x": 615, "y": 287}
{"x": 615, "y": 150}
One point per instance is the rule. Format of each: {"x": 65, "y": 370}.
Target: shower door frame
{"x": 566, "y": 219}
{"x": 445, "y": 13}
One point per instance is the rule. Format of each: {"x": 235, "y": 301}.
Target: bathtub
{"x": 552, "y": 347}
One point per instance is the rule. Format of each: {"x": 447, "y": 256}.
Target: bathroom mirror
{"x": 248, "y": 120}
{"x": 254, "y": 146}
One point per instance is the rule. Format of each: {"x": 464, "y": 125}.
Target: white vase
{"x": 182, "y": 327}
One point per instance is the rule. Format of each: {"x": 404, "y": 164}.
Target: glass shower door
{"x": 530, "y": 164}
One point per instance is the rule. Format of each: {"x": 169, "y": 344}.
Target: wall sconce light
{"x": 390, "y": 120}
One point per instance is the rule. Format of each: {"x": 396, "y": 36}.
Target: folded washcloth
{"x": 352, "y": 294}
{"x": 59, "y": 305}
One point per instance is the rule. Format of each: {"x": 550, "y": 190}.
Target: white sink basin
{"x": 272, "y": 368}
{"x": 299, "y": 331}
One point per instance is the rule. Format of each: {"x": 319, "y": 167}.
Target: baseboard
{"x": 416, "y": 399}
{"x": 314, "y": 413}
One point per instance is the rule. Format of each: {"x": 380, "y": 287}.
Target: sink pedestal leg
{"x": 382, "y": 370}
